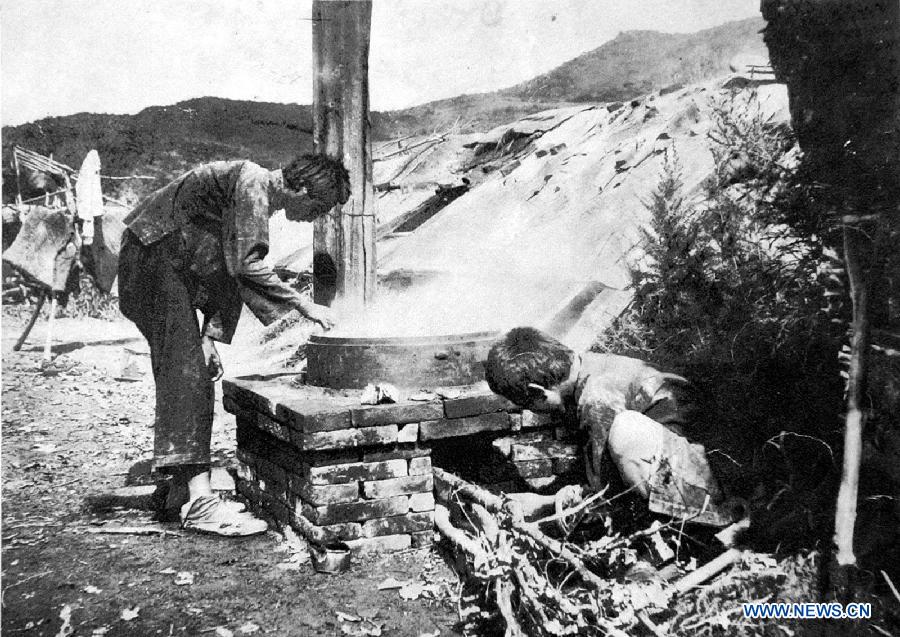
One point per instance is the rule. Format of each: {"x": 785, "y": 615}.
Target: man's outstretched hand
{"x": 319, "y": 314}
{"x": 213, "y": 362}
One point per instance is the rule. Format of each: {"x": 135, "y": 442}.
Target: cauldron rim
{"x": 435, "y": 339}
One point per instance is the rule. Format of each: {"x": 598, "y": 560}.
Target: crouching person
{"x": 629, "y": 408}
{"x": 199, "y": 244}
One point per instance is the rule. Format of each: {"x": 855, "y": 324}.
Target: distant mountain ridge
{"x": 639, "y": 62}
{"x": 163, "y": 141}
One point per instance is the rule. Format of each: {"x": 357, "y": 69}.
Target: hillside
{"x": 556, "y": 209}
{"x": 162, "y": 141}
{"x": 640, "y": 62}
{"x": 632, "y": 64}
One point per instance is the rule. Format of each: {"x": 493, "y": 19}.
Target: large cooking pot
{"x": 410, "y": 362}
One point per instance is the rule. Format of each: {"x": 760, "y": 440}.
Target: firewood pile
{"x": 526, "y": 576}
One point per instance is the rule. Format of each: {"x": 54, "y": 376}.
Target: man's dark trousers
{"x": 156, "y": 293}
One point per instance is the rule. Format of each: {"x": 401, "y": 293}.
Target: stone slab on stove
{"x": 349, "y": 438}
{"x": 475, "y": 404}
{"x": 302, "y": 407}
{"x": 322, "y": 418}
{"x": 399, "y": 413}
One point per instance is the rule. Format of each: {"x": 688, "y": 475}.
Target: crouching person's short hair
{"x": 526, "y": 355}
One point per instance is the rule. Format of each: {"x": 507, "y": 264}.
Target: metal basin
{"x": 410, "y": 362}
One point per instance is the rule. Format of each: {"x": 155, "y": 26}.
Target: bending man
{"x": 198, "y": 244}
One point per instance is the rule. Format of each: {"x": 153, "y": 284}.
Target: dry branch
{"x": 431, "y": 140}
{"x": 707, "y": 571}
{"x": 504, "y": 603}
{"x": 525, "y": 576}
{"x": 459, "y": 537}
{"x": 446, "y": 484}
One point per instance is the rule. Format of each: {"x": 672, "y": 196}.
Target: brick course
{"x": 338, "y": 470}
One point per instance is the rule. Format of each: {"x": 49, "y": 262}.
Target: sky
{"x": 59, "y": 57}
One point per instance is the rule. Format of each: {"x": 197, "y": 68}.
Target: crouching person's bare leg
{"x": 635, "y": 444}
{"x": 654, "y": 460}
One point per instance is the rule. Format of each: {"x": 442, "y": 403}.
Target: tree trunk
{"x": 344, "y": 239}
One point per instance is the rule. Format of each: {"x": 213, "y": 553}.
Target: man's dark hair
{"x": 324, "y": 178}
{"x": 526, "y": 355}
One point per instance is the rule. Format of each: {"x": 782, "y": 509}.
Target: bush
{"x": 741, "y": 302}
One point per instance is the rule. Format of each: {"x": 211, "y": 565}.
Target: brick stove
{"x": 318, "y": 459}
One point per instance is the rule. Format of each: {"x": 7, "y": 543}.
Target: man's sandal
{"x": 211, "y": 514}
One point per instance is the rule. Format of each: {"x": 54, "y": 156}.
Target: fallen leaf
{"x": 290, "y": 565}
{"x": 221, "y": 631}
{"x": 554, "y": 627}
{"x": 390, "y": 583}
{"x": 411, "y": 591}
{"x": 372, "y": 631}
{"x": 248, "y": 629}
{"x": 130, "y": 613}
{"x": 184, "y": 578}
{"x": 353, "y": 630}
{"x": 66, "y": 616}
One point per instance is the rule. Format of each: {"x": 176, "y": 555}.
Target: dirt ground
{"x": 74, "y": 432}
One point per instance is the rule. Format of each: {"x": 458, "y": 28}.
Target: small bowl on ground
{"x": 331, "y": 558}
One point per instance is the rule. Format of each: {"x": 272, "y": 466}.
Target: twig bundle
{"x": 520, "y": 579}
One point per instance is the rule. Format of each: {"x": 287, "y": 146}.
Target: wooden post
{"x": 48, "y": 343}
{"x": 344, "y": 240}
{"x": 840, "y": 62}
{"x": 31, "y": 321}
{"x": 18, "y": 177}
{"x": 857, "y": 246}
